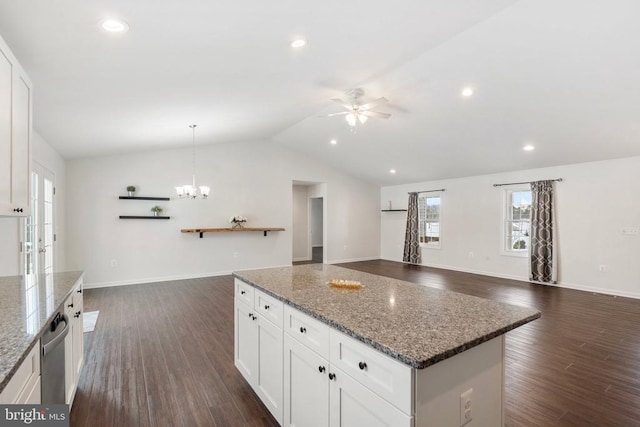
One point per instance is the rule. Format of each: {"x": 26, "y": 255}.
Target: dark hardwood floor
{"x": 162, "y": 354}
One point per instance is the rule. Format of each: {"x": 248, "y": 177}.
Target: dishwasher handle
{"x": 53, "y": 343}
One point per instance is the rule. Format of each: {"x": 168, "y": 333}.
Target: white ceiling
{"x": 561, "y": 75}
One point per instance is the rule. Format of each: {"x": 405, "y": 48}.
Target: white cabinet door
{"x": 353, "y": 405}
{"x": 69, "y": 377}
{"x": 306, "y": 386}
{"x": 20, "y": 144}
{"x": 15, "y": 135}
{"x": 78, "y": 333}
{"x": 5, "y": 135}
{"x": 268, "y": 379}
{"x": 245, "y": 341}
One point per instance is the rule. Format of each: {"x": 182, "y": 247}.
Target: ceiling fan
{"x": 356, "y": 110}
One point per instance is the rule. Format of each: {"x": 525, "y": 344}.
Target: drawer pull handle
{"x": 303, "y": 329}
{"x": 242, "y": 292}
{"x": 362, "y": 365}
{"x": 253, "y": 317}
{"x": 266, "y": 307}
{"x": 321, "y": 369}
{"x": 332, "y": 376}
{"x": 250, "y": 314}
{"x": 70, "y": 305}
{"x": 78, "y": 313}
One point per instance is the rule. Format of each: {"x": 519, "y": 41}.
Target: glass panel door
{"x": 39, "y": 227}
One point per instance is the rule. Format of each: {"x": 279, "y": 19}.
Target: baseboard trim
{"x": 340, "y": 261}
{"x": 169, "y": 278}
{"x": 302, "y": 259}
{"x": 566, "y": 285}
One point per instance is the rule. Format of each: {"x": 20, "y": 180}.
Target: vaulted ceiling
{"x": 561, "y": 76}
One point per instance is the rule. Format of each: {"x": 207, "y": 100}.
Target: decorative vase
{"x": 237, "y": 225}
{"x": 131, "y": 193}
{"x": 155, "y": 213}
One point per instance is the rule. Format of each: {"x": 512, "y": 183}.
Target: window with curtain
{"x": 517, "y": 222}
{"x": 429, "y": 214}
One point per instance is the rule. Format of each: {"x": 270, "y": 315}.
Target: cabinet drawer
{"x": 269, "y": 307}
{"x": 309, "y": 331}
{"x": 244, "y": 292}
{"x": 388, "y": 378}
{"x": 24, "y": 379}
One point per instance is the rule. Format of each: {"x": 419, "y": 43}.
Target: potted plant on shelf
{"x": 238, "y": 221}
{"x": 131, "y": 189}
{"x": 157, "y": 210}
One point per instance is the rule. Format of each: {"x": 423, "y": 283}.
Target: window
{"x": 517, "y": 223}
{"x": 429, "y": 220}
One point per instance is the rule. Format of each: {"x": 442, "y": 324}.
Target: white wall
{"x": 46, "y": 156}
{"x": 250, "y": 179}
{"x": 300, "y": 223}
{"x": 316, "y": 221}
{"x": 595, "y": 201}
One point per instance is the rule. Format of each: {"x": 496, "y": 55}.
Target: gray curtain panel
{"x": 411, "y": 236}
{"x": 543, "y": 253}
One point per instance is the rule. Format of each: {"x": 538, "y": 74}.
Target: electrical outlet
{"x": 602, "y": 268}
{"x": 465, "y": 407}
{"x": 114, "y": 263}
{"x": 471, "y": 254}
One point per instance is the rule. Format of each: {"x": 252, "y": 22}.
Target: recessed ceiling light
{"x": 528, "y": 147}
{"x": 114, "y": 25}
{"x": 392, "y": 171}
{"x": 467, "y": 92}
{"x": 298, "y": 43}
{"x": 333, "y": 142}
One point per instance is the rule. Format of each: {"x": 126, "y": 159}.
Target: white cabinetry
{"x": 74, "y": 342}
{"x": 15, "y": 135}
{"x": 258, "y": 345}
{"x": 24, "y": 386}
{"x": 319, "y": 393}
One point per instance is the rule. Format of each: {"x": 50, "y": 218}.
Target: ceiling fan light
{"x": 204, "y": 190}
{"x": 351, "y": 119}
{"x": 362, "y": 118}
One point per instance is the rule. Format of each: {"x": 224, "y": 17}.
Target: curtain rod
{"x": 526, "y": 182}
{"x": 427, "y": 191}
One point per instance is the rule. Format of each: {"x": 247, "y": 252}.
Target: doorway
{"x": 316, "y": 229}
{"x": 309, "y": 226}
{"x": 38, "y": 234}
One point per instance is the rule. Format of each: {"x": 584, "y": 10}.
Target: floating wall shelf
{"x": 143, "y": 217}
{"x": 201, "y": 231}
{"x": 143, "y": 198}
{"x": 393, "y": 210}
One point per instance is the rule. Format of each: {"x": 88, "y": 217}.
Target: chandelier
{"x": 192, "y": 191}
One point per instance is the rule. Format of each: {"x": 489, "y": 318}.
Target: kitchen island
{"x": 28, "y": 304}
{"x": 390, "y": 353}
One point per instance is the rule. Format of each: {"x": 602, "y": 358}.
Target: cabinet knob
{"x": 18, "y": 210}
{"x": 266, "y": 307}
{"x": 332, "y": 376}
{"x": 242, "y": 292}
{"x": 250, "y": 314}
{"x": 303, "y": 329}
{"x": 254, "y": 317}
{"x": 78, "y": 313}
{"x": 362, "y": 365}
{"x": 321, "y": 369}
{"x": 70, "y": 305}
{"x": 79, "y": 291}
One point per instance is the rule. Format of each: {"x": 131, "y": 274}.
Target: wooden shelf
{"x": 393, "y": 210}
{"x": 201, "y": 231}
{"x": 143, "y": 198}
{"x": 143, "y": 217}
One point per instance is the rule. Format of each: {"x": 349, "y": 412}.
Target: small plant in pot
{"x": 131, "y": 189}
{"x": 157, "y": 210}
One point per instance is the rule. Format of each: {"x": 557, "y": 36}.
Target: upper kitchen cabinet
{"x": 15, "y": 135}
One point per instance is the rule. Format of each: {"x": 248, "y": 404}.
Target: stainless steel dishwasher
{"x": 52, "y": 362}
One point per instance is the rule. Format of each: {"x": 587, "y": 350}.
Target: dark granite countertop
{"x": 27, "y": 305}
{"x": 415, "y": 324}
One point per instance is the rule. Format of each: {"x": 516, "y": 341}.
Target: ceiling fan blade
{"x": 337, "y": 114}
{"x": 370, "y": 104}
{"x": 342, "y": 102}
{"x": 376, "y": 114}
